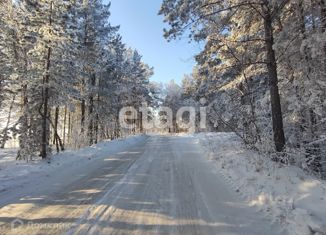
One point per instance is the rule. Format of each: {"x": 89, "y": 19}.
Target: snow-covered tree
{"x": 231, "y": 28}
{"x": 258, "y": 53}
{"x": 64, "y": 71}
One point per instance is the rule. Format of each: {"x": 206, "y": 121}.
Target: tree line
{"x": 262, "y": 71}
{"x": 65, "y": 73}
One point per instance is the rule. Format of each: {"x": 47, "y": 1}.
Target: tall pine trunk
{"x": 91, "y": 110}
{"x": 277, "y": 119}
{"x": 82, "y": 118}
{"x": 83, "y": 102}
{"x": 45, "y": 114}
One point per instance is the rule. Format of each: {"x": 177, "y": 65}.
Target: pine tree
{"x": 45, "y": 39}
{"x": 62, "y": 61}
{"x": 228, "y": 18}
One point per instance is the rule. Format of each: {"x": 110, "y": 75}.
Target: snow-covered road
{"x": 162, "y": 185}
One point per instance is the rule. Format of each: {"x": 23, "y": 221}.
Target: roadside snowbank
{"x": 286, "y": 193}
{"x": 14, "y": 173}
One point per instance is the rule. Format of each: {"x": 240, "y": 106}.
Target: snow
{"x": 285, "y": 193}
{"x": 14, "y": 173}
{"x": 171, "y": 188}
{"x": 162, "y": 185}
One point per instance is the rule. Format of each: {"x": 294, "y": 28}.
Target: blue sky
{"x": 142, "y": 29}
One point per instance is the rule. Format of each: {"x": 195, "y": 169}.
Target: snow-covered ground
{"x": 14, "y": 173}
{"x": 163, "y": 176}
{"x": 159, "y": 185}
{"x": 286, "y": 193}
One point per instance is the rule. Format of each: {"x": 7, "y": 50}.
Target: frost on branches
{"x": 262, "y": 70}
{"x": 65, "y": 73}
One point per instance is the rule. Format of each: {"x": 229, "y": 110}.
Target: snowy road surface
{"x": 163, "y": 185}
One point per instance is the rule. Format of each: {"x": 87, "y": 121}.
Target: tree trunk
{"x": 24, "y": 129}
{"x": 5, "y": 134}
{"x": 277, "y": 118}
{"x": 323, "y": 14}
{"x": 45, "y": 115}
{"x": 1, "y": 91}
{"x": 141, "y": 128}
{"x": 83, "y": 103}
{"x": 64, "y": 127}
{"x": 97, "y": 120}
{"x": 56, "y": 120}
{"x": 305, "y": 58}
{"x": 69, "y": 128}
{"x": 83, "y": 110}
{"x": 323, "y": 23}
{"x": 59, "y": 143}
{"x": 90, "y": 113}
{"x": 96, "y": 128}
